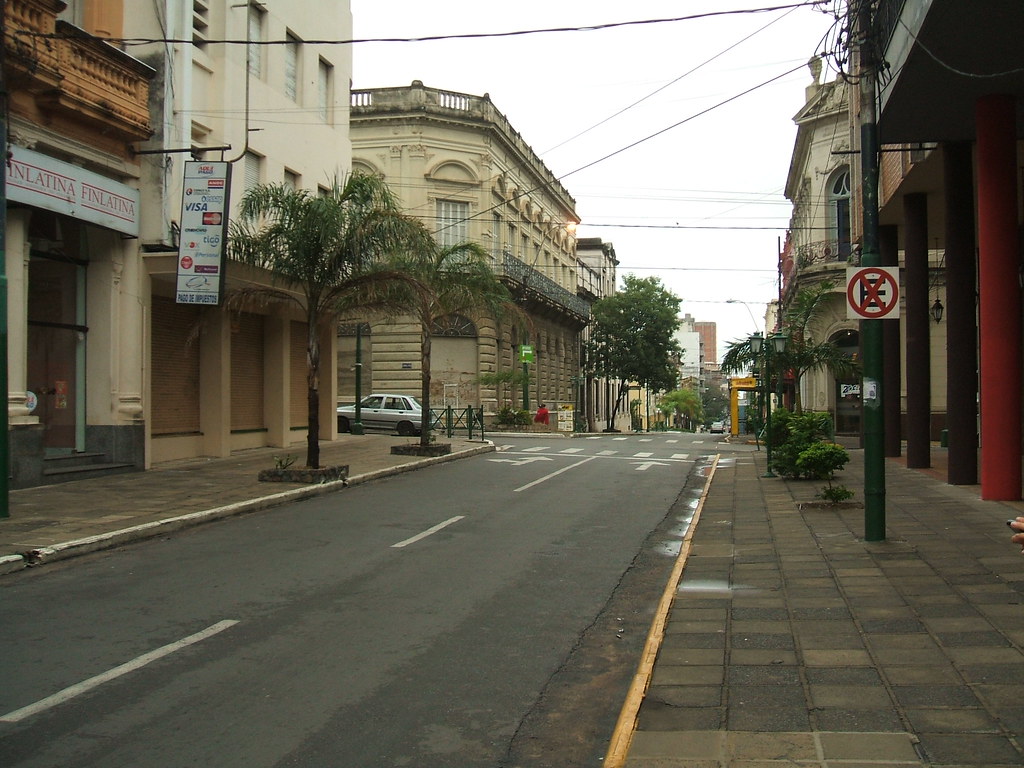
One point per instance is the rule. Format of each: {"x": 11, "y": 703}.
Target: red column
{"x": 1000, "y": 302}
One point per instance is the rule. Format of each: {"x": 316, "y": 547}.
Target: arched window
{"x": 839, "y": 212}
{"x": 454, "y": 325}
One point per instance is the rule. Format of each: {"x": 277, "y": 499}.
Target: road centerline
{"x": 112, "y": 674}
{"x": 540, "y": 480}
{"x": 429, "y": 532}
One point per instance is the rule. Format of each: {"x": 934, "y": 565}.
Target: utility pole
{"x": 871, "y": 330}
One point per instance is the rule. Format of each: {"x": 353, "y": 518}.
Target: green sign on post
{"x": 526, "y": 353}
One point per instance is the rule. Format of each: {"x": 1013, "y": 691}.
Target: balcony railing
{"x": 72, "y": 74}
{"x": 529, "y": 278}
{"x": 824, "y": 252}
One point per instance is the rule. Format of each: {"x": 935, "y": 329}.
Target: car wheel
{"x": 343, "y": 425}
{"x": 406, "y": 428}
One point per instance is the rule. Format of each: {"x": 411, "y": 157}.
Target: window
{"x": 200, "y": 22}
{"x": 291, "y": 179}
{"x": 839, "y": 212}
{"x": 496, "y": 235}
{"x": 323, "y": 90}
{"x": 291, "y": 67}
{"x": 255, "y": 47}
{"x": 250, "y": 171}
{"x": 451, "y": 222}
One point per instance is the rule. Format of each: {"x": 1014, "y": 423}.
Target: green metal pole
{"x": 526, "y": 386}
{"x": 356, "y": 427}
{"x": 871, "y": 330}
{"x": 768, "y": 411}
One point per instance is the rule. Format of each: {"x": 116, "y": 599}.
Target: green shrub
{"x": 835, "y": 493}
{"x": 794, "y": 433}
{"x": 819, "y": 461}
{"x": 511, "y": 417}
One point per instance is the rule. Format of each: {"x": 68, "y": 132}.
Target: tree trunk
{"x": 313, "y": 398}
{"x": 425, "y": 340}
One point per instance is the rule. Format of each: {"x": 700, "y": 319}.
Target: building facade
{"x": 105, "y": 366}
{"x": 75, "y": 365}
{"x": 456, "y": 162}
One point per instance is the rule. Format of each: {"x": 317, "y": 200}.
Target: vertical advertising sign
{"x": 204, "y": 228}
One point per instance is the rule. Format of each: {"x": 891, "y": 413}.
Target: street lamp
{"x": 746, "y": 306}
{"x": 776, "y": 346}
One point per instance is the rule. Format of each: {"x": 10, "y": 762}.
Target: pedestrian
{"x": 542, "y": 415}
{"x": 1018, "y": 532}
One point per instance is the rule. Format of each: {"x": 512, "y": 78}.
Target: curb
{"x": 101, "y": 541}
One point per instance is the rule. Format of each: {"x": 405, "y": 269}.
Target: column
{"x": 961, "y": 315}
{"x": 999, "y": 299}
{"x": 892, "y": 371}
{"x": 915, "y": 292}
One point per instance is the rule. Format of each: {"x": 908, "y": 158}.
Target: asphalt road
{"x": 487, "y": 612}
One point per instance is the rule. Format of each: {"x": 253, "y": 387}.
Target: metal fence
{"x": 451, "y": 420}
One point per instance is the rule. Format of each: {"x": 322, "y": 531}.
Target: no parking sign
{"x": 872, "y": 293}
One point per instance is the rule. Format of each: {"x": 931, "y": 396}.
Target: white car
{"x": 386, "y": 410}
{"x": 717, "y": 428}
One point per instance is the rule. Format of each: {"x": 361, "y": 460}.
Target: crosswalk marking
{"x": 642, "y": 455}
{"x": 646, "y": 439}
{"x": 606, "y": 453}
{"x": 572, "y": 450}
{"x": 671, "y": 441}
{"x": 537, "y": 448}
{"x": 680, "y": 456}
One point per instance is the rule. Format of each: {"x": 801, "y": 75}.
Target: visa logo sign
{"x": 196, "y": 207}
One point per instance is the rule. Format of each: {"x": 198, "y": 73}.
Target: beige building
{"x": 105, "y": 368}
{"x": 819, "y": 243}
{"x": 457, "y": 163}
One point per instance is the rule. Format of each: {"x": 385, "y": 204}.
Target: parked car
{"x": 401, "y": 413}
{"x": 717, "y": 428}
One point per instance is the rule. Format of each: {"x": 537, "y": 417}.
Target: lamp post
{"x": 776, "y": 345}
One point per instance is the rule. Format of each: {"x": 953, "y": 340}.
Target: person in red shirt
{"x": 542, "y": 415}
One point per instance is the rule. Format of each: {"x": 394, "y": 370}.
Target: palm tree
{"x": 453, "y": 280}
{"x": 802, "y": 353}
{"x": 327, "y": 254}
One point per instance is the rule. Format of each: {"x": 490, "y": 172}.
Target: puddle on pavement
{"x": 710, "y": 587}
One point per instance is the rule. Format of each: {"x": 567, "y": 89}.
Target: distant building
{"x": 456, "y": 162}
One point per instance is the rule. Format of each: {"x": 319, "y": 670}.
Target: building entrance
{"x": 56, "y": 349}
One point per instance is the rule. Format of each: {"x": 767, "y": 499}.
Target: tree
{"x": 803, "y": 353}
{"x": 683, "y": 403}
{"x": 326, "y": 255}
{"x": 632, "y": 338}
{"x": 449, "y": 281}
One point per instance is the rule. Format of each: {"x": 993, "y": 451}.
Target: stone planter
{"x": 415, "y": 449}
{"x": 830, "y": 505}
{"x": 304, "y": 475}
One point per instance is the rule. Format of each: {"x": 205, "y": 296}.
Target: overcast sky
{"x": 700, "y": 205}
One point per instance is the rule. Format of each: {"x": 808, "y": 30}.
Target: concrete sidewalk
{"x": 67, "y": 519}
{"x": 793, "y": 642}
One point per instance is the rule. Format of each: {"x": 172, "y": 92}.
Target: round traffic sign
{"x": 873, "y": 292}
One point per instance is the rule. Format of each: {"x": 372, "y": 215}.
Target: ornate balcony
{"x": 64, "y": 78}
{"x": 537, "y": 287}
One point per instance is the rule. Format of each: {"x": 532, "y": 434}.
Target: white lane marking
{"x": 94, "y": 682}
{"x": 553, "y": 474}
{"x": 428, "y": 532}
{"x": 671, "y": 441}
{"x": 537, "y": 448}
{"x": 573, "y": 450}
{"x": 606, "y": 453}
{"x": 594, "y": 437}
{"x": 643, "y": 466}
{"x": 681, "y": 456}
{"x": 646, "y": 439}
{"x": 642, "y": 455}
{"x": 620, "y": 438}
{"x": 503, "y": 447}
{"x": 520, "y": 462}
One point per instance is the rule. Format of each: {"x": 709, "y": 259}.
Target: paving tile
{"x": 836, "y": 657}
{"x": 658, "y": 716}
{"x": 936, "y": 674}
{"x": 969, "y": 749}
{"x": 858, "y": 720}
{"x": 951, "y": 720}
{"x": 786, "y": 746}
{"x": 873, "y": 746}
{"x": 685, "y": 695}
{"x": 851, "y": 696}
{"x": 763, "y": 675}
{"x": 921, "y": 641}
{"x": 761, "y": 640}
{"x": 678, "y": 745}
{"x": 773, "y": 656}
{"x": 760, "y": 718}
{"x": 935, "y": 696}
{"x": 972, "y": 639}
